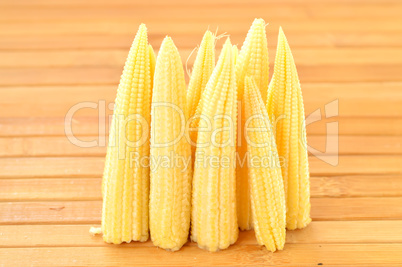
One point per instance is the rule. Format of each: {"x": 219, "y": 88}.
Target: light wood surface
{"x": 56, "y": 54}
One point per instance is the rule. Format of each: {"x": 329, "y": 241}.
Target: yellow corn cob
{"x": 152, "y": 61}
{"x": 235, "y": 52}
{"x": 170, "y": 183}
{"x": 285, "y": 104}
{"x": 126, "y": 186}
{"x": 265, "y": 178}
{"x": 214, "y": 222}
{"x": 202, "y": 70}
{"x": 252, "y": 61}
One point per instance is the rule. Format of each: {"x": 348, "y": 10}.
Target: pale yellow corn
{"x": 152, "y": 61}
{"x": 125, "y": 186}
{"x": 252, "y": 61}
{"x": 265, "y": 178}
{"x": 170, "y": 194}
{"x": 202, "y": 70}
{"x": 285, "y": 105}
{"x": 235, "y": 52}
{"x": 214, "y": 220}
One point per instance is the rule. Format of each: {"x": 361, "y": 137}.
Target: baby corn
{"x": 214, "y": 222}
{"x": 252, "y": 61}
{"x": 125, "y": 186}
{"x": 202, "y": 70}
{"x": 170, "y": 194}
{"x": 207, "y": 157}
{"x": 235, "y": 52}
{"x": 152, "y": 61}
{"x": 285, "y": 105}
{"x": 266, "y": 185}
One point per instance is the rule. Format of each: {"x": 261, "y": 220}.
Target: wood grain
{"x": 73, "y": 189}
{"x": 43, "y": 189}
{"x": 316, "y": 96}
{"x": 356, "y": 186}
{"x": 117, "y": 57}
{"x": 93, "y": 166}
{"x": 153, "y": 3}
{"x": 190, "y": 40}
{"x": 73, "y": 212}
{"x": 85, "y": 126}
{"x": 111, "y": 75}
{"x": 304, "y": 254}
{"x": 177, "y": 25}
{"x": 318, "y": 232}
{"x": 61, "y": 146}
{"x": 205, "y": 12}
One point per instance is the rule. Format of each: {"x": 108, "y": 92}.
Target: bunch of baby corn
{"x": 226, "y": 153}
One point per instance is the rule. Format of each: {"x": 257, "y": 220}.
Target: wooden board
{"x": 59, "y": 146}
{"x": 73, "y": 188}
{"x": 316, "y": 96}
{"x": 57, "y": 54}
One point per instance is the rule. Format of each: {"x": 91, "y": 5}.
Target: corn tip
{"x": 167, "y": 45}
{"x": 227, "y": 42}
{"x": 281, "y": 36}
{"x": 142, "y": 28}
{"x": 208, "y": 34}
{"x": 258, "y": 22}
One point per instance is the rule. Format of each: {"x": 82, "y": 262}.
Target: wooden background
{"x": 55, "y": 54}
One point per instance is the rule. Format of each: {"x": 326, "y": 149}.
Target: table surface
{"x": 56, "y": 54}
